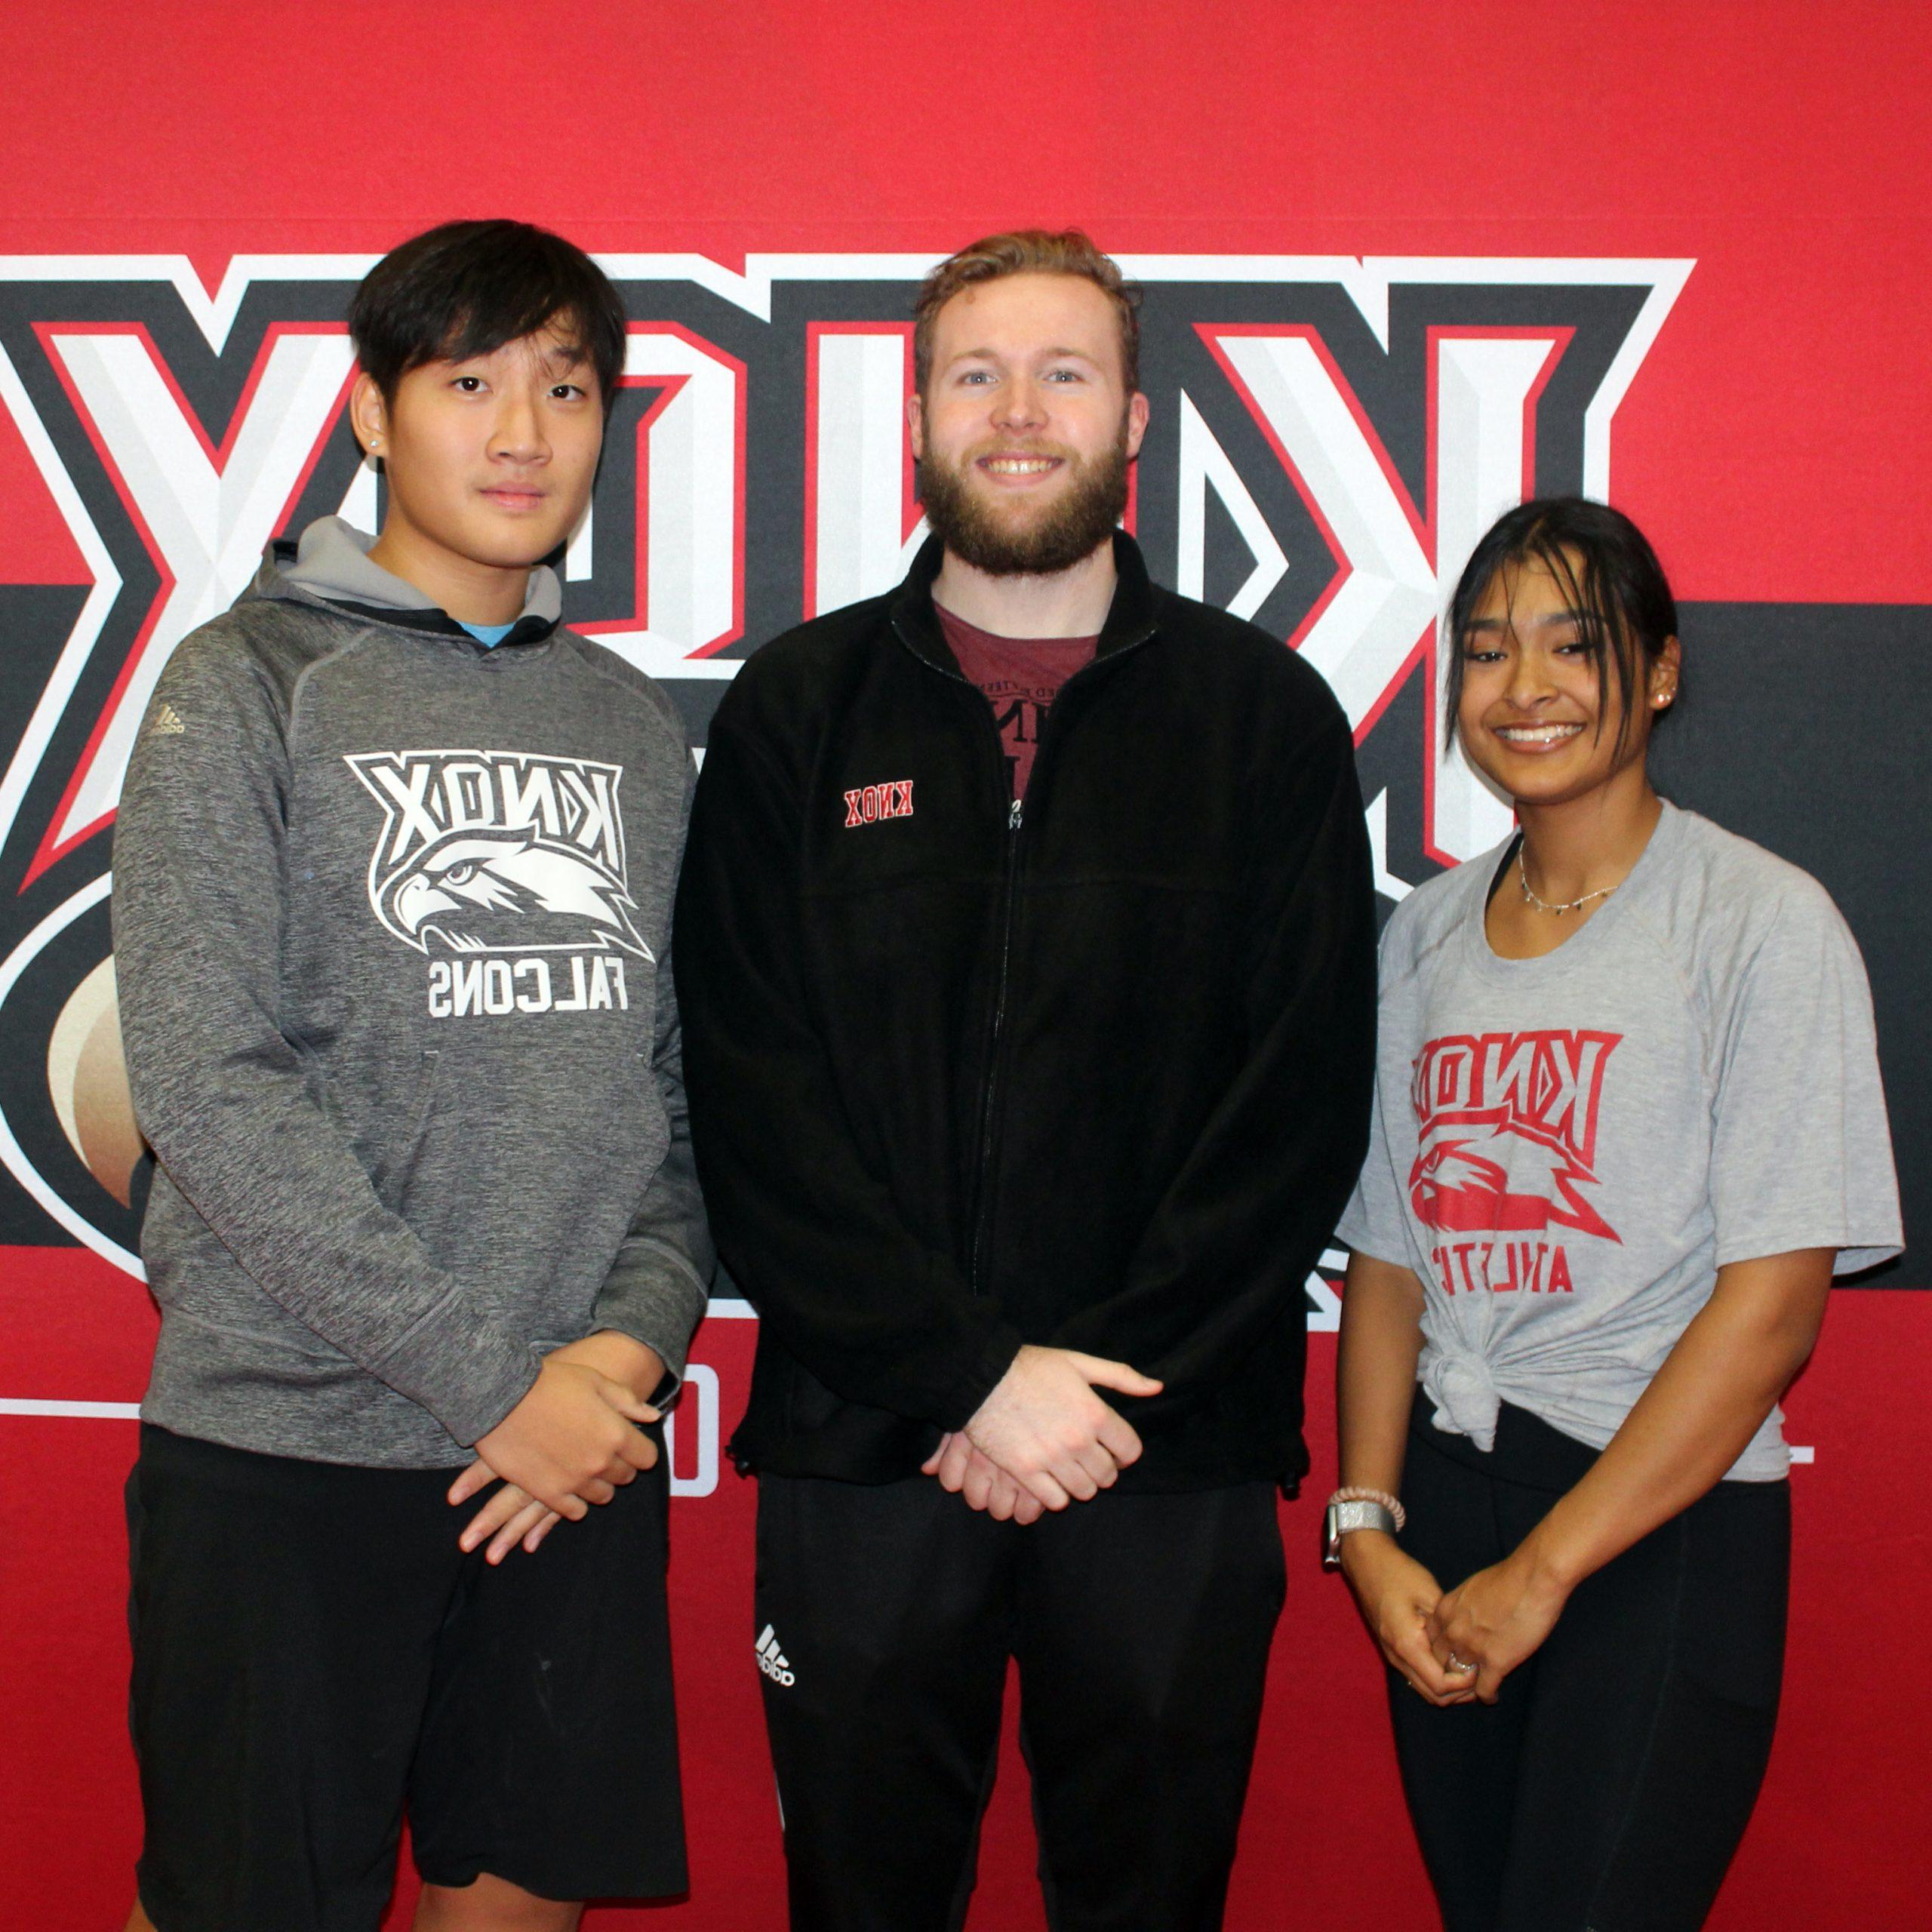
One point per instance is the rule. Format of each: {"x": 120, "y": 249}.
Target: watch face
{"x": 1331, "y": 1538}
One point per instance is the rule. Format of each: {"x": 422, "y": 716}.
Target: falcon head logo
{"x": 1501, "y": 1181}
{"x": 502, "y": 889}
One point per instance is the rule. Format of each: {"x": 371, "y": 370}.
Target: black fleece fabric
{"x": 1097, "y": 1075}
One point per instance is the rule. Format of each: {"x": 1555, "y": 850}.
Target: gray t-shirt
{"x": 1566, "y": 1149}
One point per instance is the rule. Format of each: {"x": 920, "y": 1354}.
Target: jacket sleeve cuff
{"x": 468, "y": 1374}
{"x": 987, "y": 1369}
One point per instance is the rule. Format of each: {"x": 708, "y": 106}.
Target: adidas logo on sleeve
{"x": 772, "y": 1660}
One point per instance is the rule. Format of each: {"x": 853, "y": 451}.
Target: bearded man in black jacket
{"x": 1026, "y": 954}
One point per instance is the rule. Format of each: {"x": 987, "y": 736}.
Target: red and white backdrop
{"x": 1403, "y": 263}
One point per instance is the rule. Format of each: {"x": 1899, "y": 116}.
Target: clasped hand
{"x": 571, "y": 1442}
{"x": 1043, "y": 1438}
{"x": 1495, "y": 1619}
{"x": 1398, "y": 1597}
{"x": 1456, "y": 1646}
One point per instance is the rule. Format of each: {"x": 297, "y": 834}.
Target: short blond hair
{"x": 1026, "y": 251}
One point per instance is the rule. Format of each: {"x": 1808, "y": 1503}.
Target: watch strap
{"x": 1342, "y": 1517}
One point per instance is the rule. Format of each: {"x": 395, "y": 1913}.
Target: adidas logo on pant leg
{"x": 772, "y": 1660}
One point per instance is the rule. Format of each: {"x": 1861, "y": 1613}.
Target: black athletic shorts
{"x": 314, "y": 1657}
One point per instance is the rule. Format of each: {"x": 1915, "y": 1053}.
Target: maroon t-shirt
{"x": 1021, "y": 677}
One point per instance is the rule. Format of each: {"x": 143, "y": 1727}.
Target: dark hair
{"x": 1609, "y": 575}
{"x": 467, "y": 287}
{"x": 1027, "y": 251}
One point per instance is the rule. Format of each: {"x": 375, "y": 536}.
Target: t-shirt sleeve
{"x": 1374, "y": 1224}
{"x": 1801, "y": 1153}
{"x": 1375, "y": 1220}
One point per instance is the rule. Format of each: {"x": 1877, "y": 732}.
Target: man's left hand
{"x": 971, "y": 1473}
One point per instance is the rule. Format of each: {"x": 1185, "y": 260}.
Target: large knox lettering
{"x": 429, "y": 793}
{"x": 1328, "y": 435}
{"x": 1328, "y": 439}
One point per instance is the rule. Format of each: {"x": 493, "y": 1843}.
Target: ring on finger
{"x": 1452, "y": 1662}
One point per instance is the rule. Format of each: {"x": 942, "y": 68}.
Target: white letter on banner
{"x": 690, "y": 516}
{"x": 210, "y": 516}
{"x": 1486, "y": 391}
{"x": 857, "y": 542}
{"x": 1367, "y": 632}
{"x": 1390, "y": 593}
{"x": 1204, "y": 465}
{"x": 699, "y": 1402}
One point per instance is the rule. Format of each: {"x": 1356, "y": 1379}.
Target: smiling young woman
{"x": 1563, "y": 651}
{"x": 1628, "y": 1124}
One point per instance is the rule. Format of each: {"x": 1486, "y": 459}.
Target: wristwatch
{"x": 1341, "y": 1518}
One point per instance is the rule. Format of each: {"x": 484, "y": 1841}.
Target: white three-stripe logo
{"x": 772, "y": 1660}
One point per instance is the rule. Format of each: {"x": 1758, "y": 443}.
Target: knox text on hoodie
{"x": 506, "y": 869}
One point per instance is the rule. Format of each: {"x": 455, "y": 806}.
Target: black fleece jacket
{"x": 1096, "y": 1076}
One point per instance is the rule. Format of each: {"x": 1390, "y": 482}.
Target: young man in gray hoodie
{"x": 393, "y": 873}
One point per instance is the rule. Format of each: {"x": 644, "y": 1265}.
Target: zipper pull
{"x": 1013, "y": 816}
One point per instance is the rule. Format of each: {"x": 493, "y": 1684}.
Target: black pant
{"x": 1608, "y": 1787}
{"x": 1141, "y": 1625}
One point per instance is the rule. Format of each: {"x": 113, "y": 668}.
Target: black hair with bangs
{"x": 1610, "y": 576}
{"x": 467, "y": 287}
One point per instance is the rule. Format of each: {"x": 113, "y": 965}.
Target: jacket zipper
{"x": 983, "y": 1204}
{"x": 1009, "y": 893}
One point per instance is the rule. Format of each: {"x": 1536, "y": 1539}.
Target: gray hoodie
{"x": 392, "y": 922}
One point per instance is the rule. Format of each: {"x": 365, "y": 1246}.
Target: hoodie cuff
{"x": 655, "y": 1297}
{"x": 468, "y": 1374}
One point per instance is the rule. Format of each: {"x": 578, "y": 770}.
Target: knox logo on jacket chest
{"x": 867, "y": 804}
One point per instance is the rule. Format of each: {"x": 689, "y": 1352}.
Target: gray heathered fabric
{"x": 332, "y": 560}
{"x": 1566, "y": 1149}
{"x": 392, "y": 926}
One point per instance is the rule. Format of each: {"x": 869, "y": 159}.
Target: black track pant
{"x": 1141, "y": 1625}
{"x": 1607, "y": 1789}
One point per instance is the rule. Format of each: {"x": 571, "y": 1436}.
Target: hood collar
{"x": 330, "y": 564}
{"x": 1129, "y": 617}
